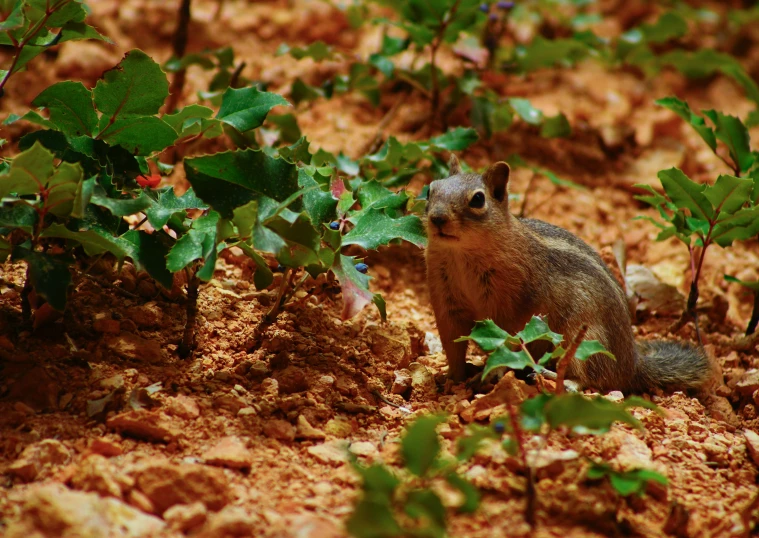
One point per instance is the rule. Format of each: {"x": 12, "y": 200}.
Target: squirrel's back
{"x": 485, "y": 263}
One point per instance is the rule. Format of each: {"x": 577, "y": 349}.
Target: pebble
{"x": 151, "y": 426}
{"x": 304, "y": 430}
{"x": 229, "y": 452}
{"x": 186, "y": 517}
{"x": 338, "y": 427}
{"x": 330, "y": 452}
{"x": 182, "y": 406}
{"x": 363, "y": 448}
{"x": 402, "y": 381}
{"x": 39, "y": 460}
{"x": 748, "y": 382}
{"x": 752, "y": 442}
{"x": 279, "y": 429}
{"x": 132, "y": 347}
{"x": 145, "y": 316}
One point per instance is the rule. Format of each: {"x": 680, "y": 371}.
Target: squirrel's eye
{"x": 478, "y": 200}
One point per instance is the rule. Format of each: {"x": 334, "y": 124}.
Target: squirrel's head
{"x": 463, "y": 207}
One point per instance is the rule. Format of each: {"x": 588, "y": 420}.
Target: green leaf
{"x": 289, "y": 131}
{"x": 82, "y": 197}
{"x": 29, "y": 172}
{"x": 425, "y": 505}
{"x": 317, "y": 51}
{"x": 532, "y": 412}
{"x": 94, "y": 241}
{"x": 140, "y": 135}
{"x": 246, "y": 108}
{"x": 587, "y": 415}
{"x": 543, "y": 52}
{"x": 456, "y": 139}
{"x": 686, "y": 193}
{"x": 628, "y": 482}
{"x": 319, "y": 205}
{"x": 148, "y": 252}
{"x": 375, "y": 228}
{"x": 503, "y": 357}
{"x": 734, "y": 134}
{"x": 729, "y": 193}
{"x": 752, "y": 285}
{"x": 355, "y": 287}
{"x": 19, "y": 215}
{"x": 588, "y": 348}
{"x": 537, "y": 329}
{"x": 245, "y": 218}
{"x": 231, "y": 179}
{"x": 189, "y": 120}
{"x": 168, "y": 205}
{"x": 372, "y": 519}
{"x": 698, "y": 123}
{"x": 487, "y": 335}
{"x": 49, "y": 275}
{"x": 669, "y": 26}
{"x": 199, "y": 243}
{"x": 420, "y": 444}
{"x": 378, "y": 480}
{"x": 555, "y": 127}
{"x": 137, "y": 86}
{"x": 120, "y": 207}
{"x": 526, "y": 111}
{"x": 471, "y": 493}
{"x": 70, "y": 106}
{"x": 301, "y": 238}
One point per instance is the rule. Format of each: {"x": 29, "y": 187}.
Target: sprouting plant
{"x": 30, "y": 27}
{"x": 406, "y": 501}
{"x": 702, "y": 215}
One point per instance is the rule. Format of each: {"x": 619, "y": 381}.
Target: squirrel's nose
{"x": 438, "y": 220}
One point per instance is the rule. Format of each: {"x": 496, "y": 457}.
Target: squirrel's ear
{"x": 496, "y": 178}
{"x": 454, "y": 166}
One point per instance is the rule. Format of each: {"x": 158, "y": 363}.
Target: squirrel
{"x": 485, "y": 263}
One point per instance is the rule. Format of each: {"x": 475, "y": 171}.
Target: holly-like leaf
{"x": 95, "y": 241}
{"x": 148, "y": 252}
{"x": 729, "y": 193}
{"x": 752, "y": 285}
{"x": 140, "y": 135}
{"x": 355, "y": 288}
{"x": 20, "y": 216}
{"x": 120, "y": 207}
{"x": 246, "y": 108}
{"x": 188, "y": 120}
{"x": 199, "y": 243}
{"x": 468, "y": 490}
{"x": 586, "y": 415}
{"x": 317, "y": 51}
{"x": 425, "y": 505}
{"x": 49, "y": 276}
{"x": 555, "y": 127}
{"x": 503, "y": 357}
{"x": 456, "y": 139}
{"x": 231, "y": 179}
{"x": 137, "y": 86}
{"x": 537, "y": 329}
{"x": 670, "y": 25}
{"x": 588, "y": 348}
{"x": 319, "y": 204}
{"x": 686, "y": 193}
{"x": 731, "y": 131}
{"x": 168, "y": 205}
{"x": 70, "y": 106}
{"x": 487, "y": 335}
{"x": 420, "y": 444}
{"x": 526, "y": 111}
{"x": 375, "y": 228}
{"x": 628, "y": 482}
{"x": 698, "y": 123}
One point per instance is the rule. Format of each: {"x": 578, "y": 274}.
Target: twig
{"x": 376, "y": 141}
{"x": 561, "y": 368}
{"x": 108, "y": 285}
{"x": 391, "y": 404}
{"x": 188, "y": 339}
{"x": 272, "y": 314}
{"x": 180, "y": 47}
{"x": 235, "y": 77}
{"x": 516, "y": 427}
{"x": 754, "y": 316}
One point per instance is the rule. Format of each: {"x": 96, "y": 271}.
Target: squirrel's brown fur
{"x": 485, "y": 263}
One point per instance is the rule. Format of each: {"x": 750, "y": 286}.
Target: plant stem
{"x": 754, "y": 321}
{"x": 188, "y": 339}
{"x": 272, "y": 314}
{"x": 435, "y": 100}
{"x": 516, "y": 427}
{"x": 561, "y": 367}
{"x": 180, "y": 46}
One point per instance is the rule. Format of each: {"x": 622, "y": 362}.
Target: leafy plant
{"x": 30, "y": 27}
{"x": 702, "y": 215}
{"x": 626, "y": 483}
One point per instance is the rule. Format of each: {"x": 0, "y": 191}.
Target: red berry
{"x": 150, "y": 181}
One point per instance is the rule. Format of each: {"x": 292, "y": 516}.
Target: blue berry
{"x": 505, "y": 5}
{"x": 280, "y": 268}
{"x": 484, "y": 8}
{"x": 499, "y": 427}
{"x": 362, "y": 268}
{"x": 334, "y": 225}
{"x": 493, "y": 17}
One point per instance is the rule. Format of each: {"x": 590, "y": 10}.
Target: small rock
{"x": 230, "y": 402}
{"x": 291, "y": 379}
{"x": 53, "y": 510}
{"x": 421, "y": 378}
{"x": 229, "y": 452}
{"x": 167, "y": 484}
{"x": 145, "y": 316}
{"x": 107, "y": 326}
{"x": 315, "y": 526}
{"x": 38, "y": 459}
{"x": 146, "y": 289}
{"x": 392, "y": 349}
{"x": 748, "y": 382}
{"x": 279, "y": 429}
{"x": 402, "y": 382}
{"x": 98, "y": 475}
{"x": 247, "y": 412}
{"x": 752, "y": 442}
{"x": 151, "y": 426}
{"x": 330, "y": 452}
{"x": 65, "y": 400}
{"x": 615, "y": 396}
{"x": 231, "y": 521}
{"x": 280, "y": 361}
{"x": 112, "y": 383}
{"x": 105, "y": 447}
{"x": 36, "y": 388}
{"x": 132, "y": 347}
{"x": 304, "y": 430}
{"x": 182, "y": 406}
{"x": 363, "y": 448}
{"x": 540, "y": 459}
{"x": 338, "y": 427}
{"x": 433, "y": 343}
{"x": 185, "y": 517}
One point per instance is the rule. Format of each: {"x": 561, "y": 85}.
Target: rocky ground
{"x": 104, "y": 431}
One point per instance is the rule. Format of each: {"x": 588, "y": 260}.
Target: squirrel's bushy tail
{"x": 668, "y": 364}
